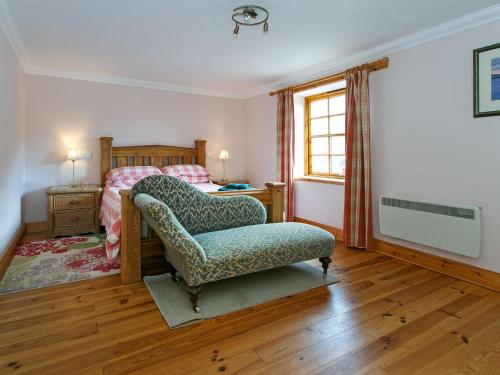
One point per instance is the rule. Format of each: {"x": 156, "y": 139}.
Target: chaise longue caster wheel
{"x": 193, "y": 292}
{"x": 325, "y": 262}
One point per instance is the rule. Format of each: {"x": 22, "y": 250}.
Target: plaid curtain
{"x": 357, "y": 200}
{"x": 286, "y": 142}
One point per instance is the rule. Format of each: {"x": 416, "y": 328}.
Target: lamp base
{"x": 73, "y": 184}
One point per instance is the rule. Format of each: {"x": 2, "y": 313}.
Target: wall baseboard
{"x": 467, "y": 272}
{"x": 37, "y": 227}
{"x": 480, "y": 276}
{"x": 11, "y": 249}
{"x": 337, "y": 232}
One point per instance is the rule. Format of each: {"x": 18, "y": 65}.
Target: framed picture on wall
{"x": 487, "y": 81}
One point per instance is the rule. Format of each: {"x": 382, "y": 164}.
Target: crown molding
{"x": 122, "y": 81}
{"x": 310, "y": 72}
{"x": 331, "y": 66}
{"x": 9, "y": 28}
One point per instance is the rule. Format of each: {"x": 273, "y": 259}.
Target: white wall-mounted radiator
{"x": 448, "y": 227}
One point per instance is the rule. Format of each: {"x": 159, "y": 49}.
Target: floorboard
{"x": 385, "y": 317}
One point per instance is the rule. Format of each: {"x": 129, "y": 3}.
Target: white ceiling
{"x": 188, "y": 45}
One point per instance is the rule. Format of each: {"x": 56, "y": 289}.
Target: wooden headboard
{"x": 155, "y": 155}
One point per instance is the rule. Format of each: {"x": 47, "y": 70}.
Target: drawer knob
{"x": 75, "y": 219}
{"x": 73, "y": 202}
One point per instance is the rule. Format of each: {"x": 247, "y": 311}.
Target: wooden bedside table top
{"x": 230, "y": 181}
{"x": 68, "y": 189}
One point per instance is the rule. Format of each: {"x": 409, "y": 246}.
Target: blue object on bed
{"x": 235, "y": 187}
{"x": 238, "y": 186}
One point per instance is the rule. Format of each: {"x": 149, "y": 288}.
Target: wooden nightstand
{"x": 230, "y": 181}
{"x": 73, "y": 210}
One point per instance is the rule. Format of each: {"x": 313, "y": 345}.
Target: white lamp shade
{"x": 224, "y": 155}
{"x": 72, "y": 154}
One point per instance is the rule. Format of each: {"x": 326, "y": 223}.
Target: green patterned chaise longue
{"x": 209, "y": 238}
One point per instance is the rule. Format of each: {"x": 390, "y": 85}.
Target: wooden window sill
{"x": 322, "y": 180}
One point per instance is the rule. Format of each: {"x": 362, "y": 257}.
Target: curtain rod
{"x": 372, "y": 67}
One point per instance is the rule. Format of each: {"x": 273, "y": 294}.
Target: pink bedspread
{"x": 110, "y": 218}
{"x": 110, "y": 215}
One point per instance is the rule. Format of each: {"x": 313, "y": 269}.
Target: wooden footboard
{"x": 132, "y": 246}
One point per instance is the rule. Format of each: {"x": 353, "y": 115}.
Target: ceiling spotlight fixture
{"x": 250, "y": 15}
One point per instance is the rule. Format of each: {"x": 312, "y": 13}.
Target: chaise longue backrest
{"x": 199, "y": 212}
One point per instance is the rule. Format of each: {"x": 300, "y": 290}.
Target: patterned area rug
{"x": 39, "y": 264}
{"x": 225, "y": 296}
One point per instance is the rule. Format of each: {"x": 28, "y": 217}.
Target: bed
{"x": 136, "y": 242}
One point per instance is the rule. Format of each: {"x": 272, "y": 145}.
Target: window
{"x": 324, "y": 152}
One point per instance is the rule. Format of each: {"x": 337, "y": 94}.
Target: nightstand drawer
{"x": 74, "y": 218}
{"x": 72, "y": 201}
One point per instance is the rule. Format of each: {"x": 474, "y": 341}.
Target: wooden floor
{"x": 385, "y": 317}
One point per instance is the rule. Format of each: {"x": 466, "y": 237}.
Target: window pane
{"x": 319, "y": 146}
{"x": 337, "y": 145}
{"x": 319, "y": 108}
{"x": 319, "y": 126}
{"x": 337, "y": 104}
{"x": 338, "y": 165}
{"x": 319, "y": 164}
{"x": 337, "y": 124}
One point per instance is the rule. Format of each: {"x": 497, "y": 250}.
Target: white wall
{"x": 425, "y": 142}
{"x": 261, "y": 139}
{"x": 64, "y": 113}
{"x": 320, "y": 202}
{"x": 12, "y": 156}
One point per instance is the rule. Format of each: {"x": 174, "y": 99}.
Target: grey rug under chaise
{"x": 229, "y": 295}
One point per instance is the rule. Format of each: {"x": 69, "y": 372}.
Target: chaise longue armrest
{"x": 182, "y": 250}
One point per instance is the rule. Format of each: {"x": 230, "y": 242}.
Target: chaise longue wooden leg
{"x": 194, "y": 291}
{"x": 325, "y": 262}
{"x": 173, "y": 272}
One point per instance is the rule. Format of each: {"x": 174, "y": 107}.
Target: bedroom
{"x": 74, "y": 71}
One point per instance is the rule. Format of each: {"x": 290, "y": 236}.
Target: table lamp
{"x": 73, "y": 156}
{"x": 224, "y": 155}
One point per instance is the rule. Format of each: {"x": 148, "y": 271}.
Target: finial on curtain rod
{"x": 372, "y": 67}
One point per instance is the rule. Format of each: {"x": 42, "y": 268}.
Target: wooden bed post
{"x": 130, "y": 240}
{"x": 275, "y": 210}
{"x": 106, "y": 153}
{"x": 201, "y": 147}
